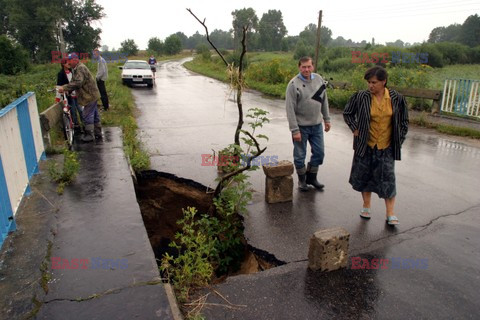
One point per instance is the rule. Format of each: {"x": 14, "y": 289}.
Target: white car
{"x": 137, "y": 72}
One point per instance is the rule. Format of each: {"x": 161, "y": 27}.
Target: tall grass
{"x": 42, "y": 77}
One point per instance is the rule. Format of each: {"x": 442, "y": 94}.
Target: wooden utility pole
{"x": 63, "y": 50}
{"x": 317, "y": 47}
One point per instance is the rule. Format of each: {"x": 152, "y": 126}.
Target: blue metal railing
{"x": 20, "y": 150}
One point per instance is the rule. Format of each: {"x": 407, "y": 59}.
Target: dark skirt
{"x": 374, "y": 172}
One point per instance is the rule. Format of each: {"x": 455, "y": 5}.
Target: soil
{"x": 162, "y": 196}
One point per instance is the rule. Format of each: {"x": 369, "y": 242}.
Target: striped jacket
{"x": 357, "y": 116}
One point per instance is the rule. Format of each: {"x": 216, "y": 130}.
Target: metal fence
{"x": 21, "y": 147}
{"x": 461, "y": 96}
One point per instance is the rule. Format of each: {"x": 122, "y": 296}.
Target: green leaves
{"x": 71, "y": 166}
{"x": 193, "y": 267}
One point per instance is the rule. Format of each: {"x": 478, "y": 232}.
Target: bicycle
{"x": 153, "y": 67}
{"x": 67, "y": 121}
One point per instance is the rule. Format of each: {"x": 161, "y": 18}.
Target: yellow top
{"x": 381, "y": 122}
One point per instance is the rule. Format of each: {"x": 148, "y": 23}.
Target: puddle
{"x": 162, "y": 196}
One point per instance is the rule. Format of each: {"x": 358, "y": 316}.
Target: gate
{"x": 462, "y": 97}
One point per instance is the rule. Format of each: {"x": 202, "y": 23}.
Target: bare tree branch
{"x": 238, "y": 85}
{"x": 208, "y": 37}
{"x": 239, "y": 89}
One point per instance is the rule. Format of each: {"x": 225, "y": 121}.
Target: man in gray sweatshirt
{"x": 307, "y": 108}
{"x": 102, "y": 75}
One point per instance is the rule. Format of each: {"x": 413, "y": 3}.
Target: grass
{"x": 67, "y": 174}
{"x": 121, "y": 113}
{"x": 38, "y": 79}
{"x": 338, "y": 98}
{"x": 44, "y": 267}
{"x": 42, "y": 77}
{"x": 422, "y": 121}
{"x": 213, "y": 69}
{"x": 458, "y": 71}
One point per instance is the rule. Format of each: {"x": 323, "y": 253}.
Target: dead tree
{"x": 236, "y": 75}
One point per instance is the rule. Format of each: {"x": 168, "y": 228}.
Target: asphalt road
{"x": 438, "y": 200}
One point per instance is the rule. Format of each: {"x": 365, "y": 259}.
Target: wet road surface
{"x": 438, "y": 202}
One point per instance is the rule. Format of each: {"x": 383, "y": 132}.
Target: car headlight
{"x": 126, "y": 76}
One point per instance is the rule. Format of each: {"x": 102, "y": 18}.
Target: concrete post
{"x": 328, "y": 249}
{"x": 278, "y": 181}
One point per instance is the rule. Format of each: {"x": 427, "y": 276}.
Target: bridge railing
{"x": 21, "y": 147}
{"x": 462, "y": 96}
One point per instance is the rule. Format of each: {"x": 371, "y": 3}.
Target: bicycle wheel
{"x": 68, "y": 130}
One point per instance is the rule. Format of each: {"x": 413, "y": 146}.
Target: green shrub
{"x": 474, "y": 55}
{"x": 67, "y": 174}
{"x": 235, "y": 59}
{"x": 338, "y": 52}
{"x": 340, "y": 64}
{"x": 196, "y": 251}
{"x": 274, "y": 71}
{"x": 418, "y": 77}
{"x": 453, "y": 53}
{"x": 201, "y": 48}
{"x": 303, "y": 50}
{"x": 338, "y": 98}
{"x": 435, "y": 57}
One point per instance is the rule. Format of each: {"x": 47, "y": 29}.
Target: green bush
{"x": 418, "y": 77}
{"x": 196, "y": 251}
{"x": 474, "y": 55}
{"x": 201, "y": 48}
{"x": 453, "y": 53}
{"x": 435, "y": 57}
{"x": 338, "y": 98}
{"x": 340, "y": 64}
{"x": 67, "y": 174}
{"x": 303, "y": 50}
{"x": 272, "y": 72}
{"x": 338, "y": 52}
{"x": 13, "y": 59}
{"x": 235, "y": 59}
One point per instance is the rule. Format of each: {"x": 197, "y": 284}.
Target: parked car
{"x": 137, "y": 72}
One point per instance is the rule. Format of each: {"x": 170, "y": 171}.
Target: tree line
{"x": 30, "y": 31}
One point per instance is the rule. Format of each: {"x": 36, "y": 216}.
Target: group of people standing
{"x": 83, "y": 91}
{"x": 378, "y": 119}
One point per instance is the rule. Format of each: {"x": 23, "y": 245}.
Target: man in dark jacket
{"x": 87, "y": 94}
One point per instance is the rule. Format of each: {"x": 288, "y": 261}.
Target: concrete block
{"x": 278, "y": 189}
{"x": 278, "y": 169}
{"x": 328, "y": 249}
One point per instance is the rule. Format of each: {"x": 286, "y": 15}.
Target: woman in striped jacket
{"x": 378, "y": 118}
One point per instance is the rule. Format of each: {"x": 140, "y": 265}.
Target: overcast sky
{"x": 408, "y": 20}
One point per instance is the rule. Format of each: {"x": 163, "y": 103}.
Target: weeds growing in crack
{"x": 44, "y": 267}
{"x": 37, "y": 304}
{"x": 67, "y": 174}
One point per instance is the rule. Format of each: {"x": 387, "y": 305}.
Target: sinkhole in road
{"x": 162, "y": 196}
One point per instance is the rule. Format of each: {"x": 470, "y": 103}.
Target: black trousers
{"x": 103, "y": 94}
